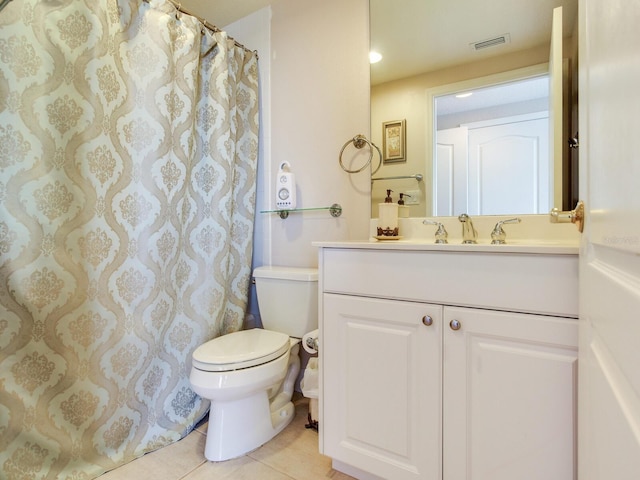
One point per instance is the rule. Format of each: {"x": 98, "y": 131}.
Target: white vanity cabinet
{"x": 382, "y": 376}
{"x": 509, "y": 396}
{"x": 451, "y": 365}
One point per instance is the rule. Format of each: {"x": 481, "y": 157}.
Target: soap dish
{"x": 383, "y": 237}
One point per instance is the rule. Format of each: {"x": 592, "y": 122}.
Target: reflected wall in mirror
{"x": 407, "y": 91}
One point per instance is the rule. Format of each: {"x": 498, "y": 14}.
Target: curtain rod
{"x": 178, "y": 6}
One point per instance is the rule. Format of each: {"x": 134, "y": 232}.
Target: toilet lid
{"x": 243, "y": 349}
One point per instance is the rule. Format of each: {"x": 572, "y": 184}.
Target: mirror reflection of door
{"x": 492, "y": 155}
{"x": 449, "y": 171}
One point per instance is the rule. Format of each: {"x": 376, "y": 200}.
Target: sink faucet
{"x": 498, "y": 235}
{"x": 441, "y": 232}
{"x": 469, "y": 234}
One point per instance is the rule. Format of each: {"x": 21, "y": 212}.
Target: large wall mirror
{"x": 491, "y": 152}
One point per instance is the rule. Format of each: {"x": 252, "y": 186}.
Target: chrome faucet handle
{"x": 469, "y": 234}
{"x": 441, "y": 232}
{"x": 498, "y": 235}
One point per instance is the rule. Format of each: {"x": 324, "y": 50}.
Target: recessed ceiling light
{"x": 464, "y": 95}
{"x": 374, "y": 57}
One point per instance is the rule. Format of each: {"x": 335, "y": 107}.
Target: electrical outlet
{"x": 412, "y": 197}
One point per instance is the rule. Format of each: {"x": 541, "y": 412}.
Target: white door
{"x": 509, "y": 166}
{"x": 494, "y": 167}
{"x": 450, "y": 172}
{"x": 609, "y": 383}
{"x": 556, "y": 79}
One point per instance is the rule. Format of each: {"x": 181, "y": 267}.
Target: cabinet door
{"x": 509, "y": 396}
{"x": 381, "y": 373}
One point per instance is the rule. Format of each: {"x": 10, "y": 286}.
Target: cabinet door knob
{"x": 427, "y": 320}
{"x": 455, "y": 325}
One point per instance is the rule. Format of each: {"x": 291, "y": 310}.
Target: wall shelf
{"x": 335, "y": 210}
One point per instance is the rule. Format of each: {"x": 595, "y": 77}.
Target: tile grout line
{"x": 186, "y": 475}
{"x": 271, "y": 467}
{"x": 204, "y": 460}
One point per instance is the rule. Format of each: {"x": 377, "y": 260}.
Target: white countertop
{"x": 425, "y": 245}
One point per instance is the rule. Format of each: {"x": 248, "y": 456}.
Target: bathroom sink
{"x": 535, "y": 234}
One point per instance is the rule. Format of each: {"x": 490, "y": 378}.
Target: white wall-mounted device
{"x": 285, "y": 188}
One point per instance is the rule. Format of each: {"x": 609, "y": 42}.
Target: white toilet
{"x": 249, "y": 375}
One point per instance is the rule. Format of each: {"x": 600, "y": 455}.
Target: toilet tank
{"x": 288, "y": 299}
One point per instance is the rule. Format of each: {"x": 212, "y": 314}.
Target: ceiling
{"x": 487, "y": 97}
{"x": 416, "y": 36}
{"x": 223, "y": 12}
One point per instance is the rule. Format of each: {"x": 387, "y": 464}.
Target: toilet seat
{"x": 238, "y": 350}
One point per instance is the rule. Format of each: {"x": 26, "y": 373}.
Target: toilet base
{"x": 240, "y": 426}
{"x": 250, "y": 428}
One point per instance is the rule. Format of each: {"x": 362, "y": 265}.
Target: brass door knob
{"x": 571, "y": 216}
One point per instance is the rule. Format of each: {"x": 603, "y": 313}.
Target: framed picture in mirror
{"x": 393, "y": 141}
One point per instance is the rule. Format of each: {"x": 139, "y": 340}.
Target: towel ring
{"x": 360, "y": 141}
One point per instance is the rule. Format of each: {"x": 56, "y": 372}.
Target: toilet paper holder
{"x": 312, "y": 343}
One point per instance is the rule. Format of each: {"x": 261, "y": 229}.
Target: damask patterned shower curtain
{"x": 128, "y": 152}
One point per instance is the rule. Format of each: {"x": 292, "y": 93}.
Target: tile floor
{"x": 293, "y": 454}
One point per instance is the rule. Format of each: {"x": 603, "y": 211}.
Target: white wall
{"x": 319, "y": 100}
{"x": 315, "y": 91}
{"x": 314, "y": 75}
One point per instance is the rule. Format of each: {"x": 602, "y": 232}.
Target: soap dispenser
{"x": 403, "y": 210}
{"x": 387, "y": 219}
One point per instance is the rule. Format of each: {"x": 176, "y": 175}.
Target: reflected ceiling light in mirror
{"x": 464, "y": 95}
{"x": 374, "y": 57}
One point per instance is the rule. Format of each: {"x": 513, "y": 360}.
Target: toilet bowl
{"x": 250, "y": 397}
{"x": 249, "y": 376}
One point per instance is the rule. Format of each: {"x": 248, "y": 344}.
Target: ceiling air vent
{"x": 491, "y": 42}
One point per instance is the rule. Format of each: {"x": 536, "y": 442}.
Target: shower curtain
{"x": 128, "y": 152}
